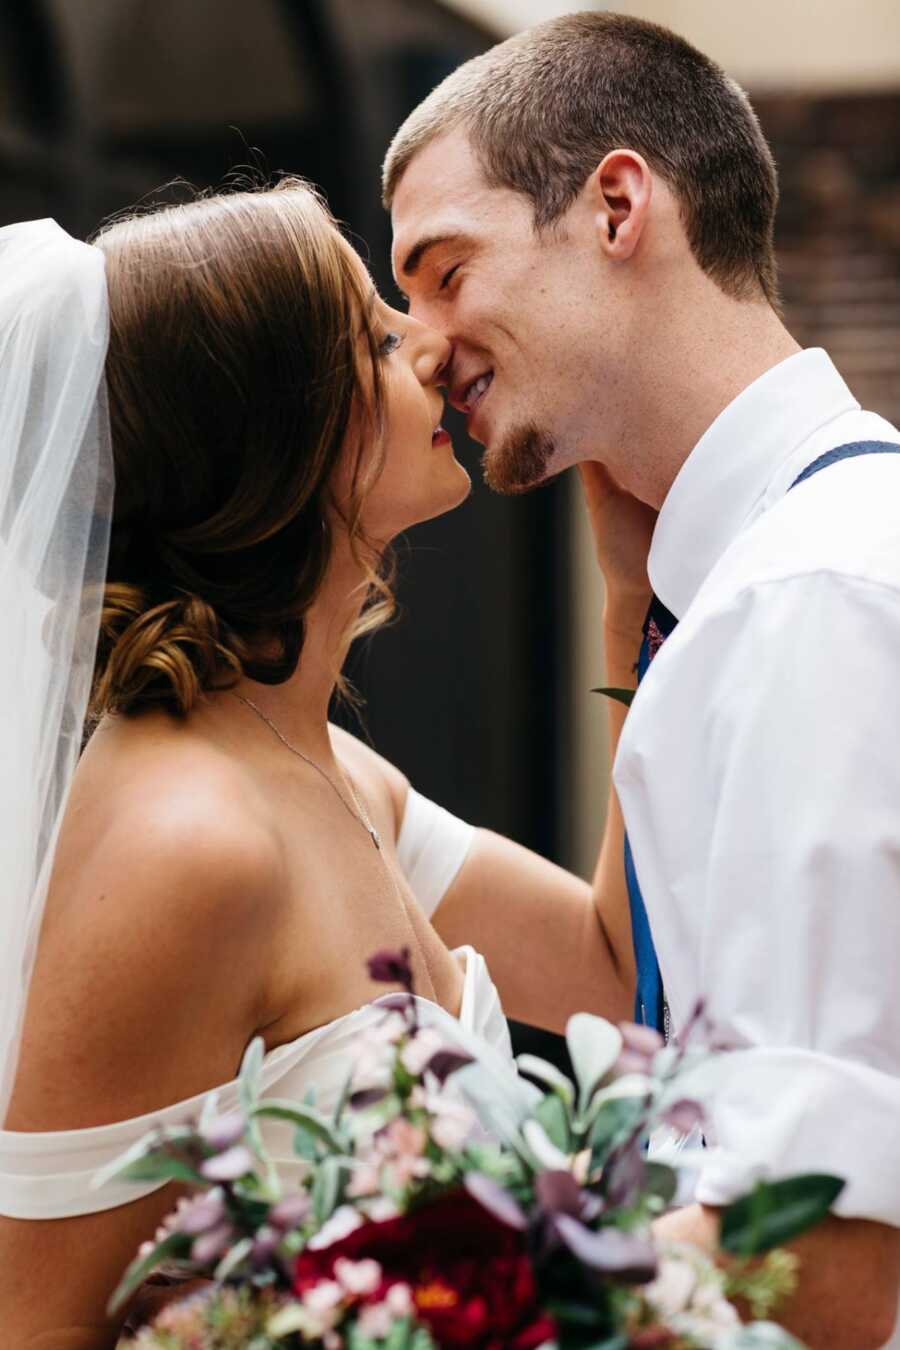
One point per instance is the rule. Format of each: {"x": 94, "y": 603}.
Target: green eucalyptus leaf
{"x": 617, "y": 695}
{"x": 554, "y": 1117}
{"x": 660, "y": 1181}
{"x": 306, "y": 1118}
{"x": 343, "y": 1098}
{"x": 174, "y": 1246}
{"x": 145, "y": 1147}
{"x": 162, "y": 1167}
{"x": 570, "y": 1312}
{"x": 502, "y": 1105}
{"x": 548, "y": 1074}
{"x": 326, "y": 1188}
{"x": 233, "y": 1258}
{"x": 249, "y": 1075}
{"x": 775, "y": 1212}
{"x": 594, "y": 1045}
{"x": 614, "y": 1122}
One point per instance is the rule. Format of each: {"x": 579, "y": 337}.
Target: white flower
{"x": 381, "y": 1208}
{"x": 323, "y": 1298}
{"x": 358, "y": 1277}
{"x": 706, "y": 1328}
{"x": 672, "y": 1290}
{"x": 452, "y": 1123}
{"x": 420, "y": 1049}
{"x": 688, "y": 1295}
{"x": 342, "y": 1223}
{"x": 400, "y": 1300}
{"x": 375, "y": 1321}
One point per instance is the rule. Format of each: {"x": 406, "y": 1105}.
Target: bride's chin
{"x": 451, "y": 495}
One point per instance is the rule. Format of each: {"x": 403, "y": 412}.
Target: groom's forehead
{"x": 442, "y": 195}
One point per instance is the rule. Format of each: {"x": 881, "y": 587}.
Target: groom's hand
{"x": 622, "y": 527}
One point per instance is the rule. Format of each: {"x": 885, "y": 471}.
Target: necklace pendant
{"x": 376, "y": 838}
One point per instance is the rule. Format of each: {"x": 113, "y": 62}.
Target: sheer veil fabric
{"x": 56, "y": 493}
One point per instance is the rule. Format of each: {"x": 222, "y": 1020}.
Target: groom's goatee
{"x": 520, "y": 462}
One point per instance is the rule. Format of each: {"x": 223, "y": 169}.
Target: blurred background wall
{"x": 482, "y": 694}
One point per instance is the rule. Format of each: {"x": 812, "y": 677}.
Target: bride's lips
{"x": 440, "y": 437}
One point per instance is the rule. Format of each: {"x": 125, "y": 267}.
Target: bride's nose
{"x": 434, "y": 356}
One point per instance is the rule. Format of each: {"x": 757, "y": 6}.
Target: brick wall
{"x": 838, "y": 233}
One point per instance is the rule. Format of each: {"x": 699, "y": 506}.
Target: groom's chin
{"x": 520, "y": 462}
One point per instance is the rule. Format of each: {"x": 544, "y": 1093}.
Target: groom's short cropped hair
{"x": 543, "y": 108}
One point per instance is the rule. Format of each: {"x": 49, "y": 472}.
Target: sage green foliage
{"x": 776, "y": 1212}
{"x": 404, "y": 1335}
{"x": 173, "y": 1246}
{"x": 763, "y": 1284}
{"x": 618, "y": 695}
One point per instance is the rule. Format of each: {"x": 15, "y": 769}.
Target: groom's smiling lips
{"x": 465, "y": 395}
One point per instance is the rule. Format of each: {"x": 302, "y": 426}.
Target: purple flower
{"x": 639, "y": 1046}
{"x": 264, "y": 1244}
{"x": 200, "y": 1214}
{"x": 209, "y": 1246}
{"x": 392, "y": 967}
{"x": 446, "y": 1062}
{"x": 223, "y": 1131}
{"x": 290, "y": 1211}
{"x": 229, "y": 1166}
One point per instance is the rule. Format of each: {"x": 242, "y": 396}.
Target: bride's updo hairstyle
{"x": 241, "y": 364}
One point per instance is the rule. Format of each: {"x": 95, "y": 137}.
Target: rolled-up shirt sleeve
{"x": 771, "y": 865}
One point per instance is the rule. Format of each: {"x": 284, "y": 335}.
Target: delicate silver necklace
{"x": 359, "y": 814}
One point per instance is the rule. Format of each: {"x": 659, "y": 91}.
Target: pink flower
{"x": 229, "y": 1166}
{"x": 400, "y": 1300}
{"x": 209, "y": 1246}
{"x": 342, "y": 1223}
{"x": 324, "y": 1297}
{"x": 358, "y": 1278}
{"x": 375, "y": 1320}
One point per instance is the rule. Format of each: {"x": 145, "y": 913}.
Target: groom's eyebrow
{"x": 414, "y": 257}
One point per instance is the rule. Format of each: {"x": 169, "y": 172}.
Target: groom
{"x": 586, "y": 212}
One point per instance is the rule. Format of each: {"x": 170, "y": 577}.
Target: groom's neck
{"x": 697, "y": 362}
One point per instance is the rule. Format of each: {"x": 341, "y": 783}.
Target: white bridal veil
{"x": 56, "y": 488}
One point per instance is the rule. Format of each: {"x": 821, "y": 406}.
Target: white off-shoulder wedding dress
{"x": 48, "y": 1175}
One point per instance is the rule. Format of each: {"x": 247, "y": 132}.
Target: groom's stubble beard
{"x": 520, "y": 462}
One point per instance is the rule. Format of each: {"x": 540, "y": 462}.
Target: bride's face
{"x": 420, "y": 477}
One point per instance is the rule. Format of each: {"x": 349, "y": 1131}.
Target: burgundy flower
{"x": 392, "y": 967}
{"x": 472, "y": 1281}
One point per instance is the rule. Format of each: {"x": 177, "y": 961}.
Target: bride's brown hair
{"x": 242, "y": 363}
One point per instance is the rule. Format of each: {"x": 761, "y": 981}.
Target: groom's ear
{"x": 620, "y": 189}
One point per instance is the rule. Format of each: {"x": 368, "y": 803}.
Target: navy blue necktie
{"x": 650, "y": 1003}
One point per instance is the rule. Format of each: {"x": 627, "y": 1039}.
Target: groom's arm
{"x": 849, "y": 1277}
{"x": 556, "y": 946}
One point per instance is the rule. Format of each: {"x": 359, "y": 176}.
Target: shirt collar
{"x": 727, "y": 472}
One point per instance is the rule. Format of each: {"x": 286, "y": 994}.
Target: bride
{"x": 226, "y": 859}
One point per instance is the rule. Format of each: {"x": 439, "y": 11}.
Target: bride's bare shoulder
{"x": 173, "y": 829}
{"x": 154, "y": 778}
{"x": 161, "y": 922}
{"x": 378, "y": 777}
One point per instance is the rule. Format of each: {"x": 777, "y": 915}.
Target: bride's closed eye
{"x": 390, "y": 342}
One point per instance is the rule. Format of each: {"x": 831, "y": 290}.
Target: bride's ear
{"x": 621, "y": 188}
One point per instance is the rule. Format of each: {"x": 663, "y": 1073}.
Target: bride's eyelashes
{"x": 390, "y": 342}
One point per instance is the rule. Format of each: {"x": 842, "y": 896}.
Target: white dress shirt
{"x": 759, "y": 775}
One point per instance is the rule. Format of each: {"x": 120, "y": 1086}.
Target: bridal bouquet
{"x": 448, "y": 1202}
